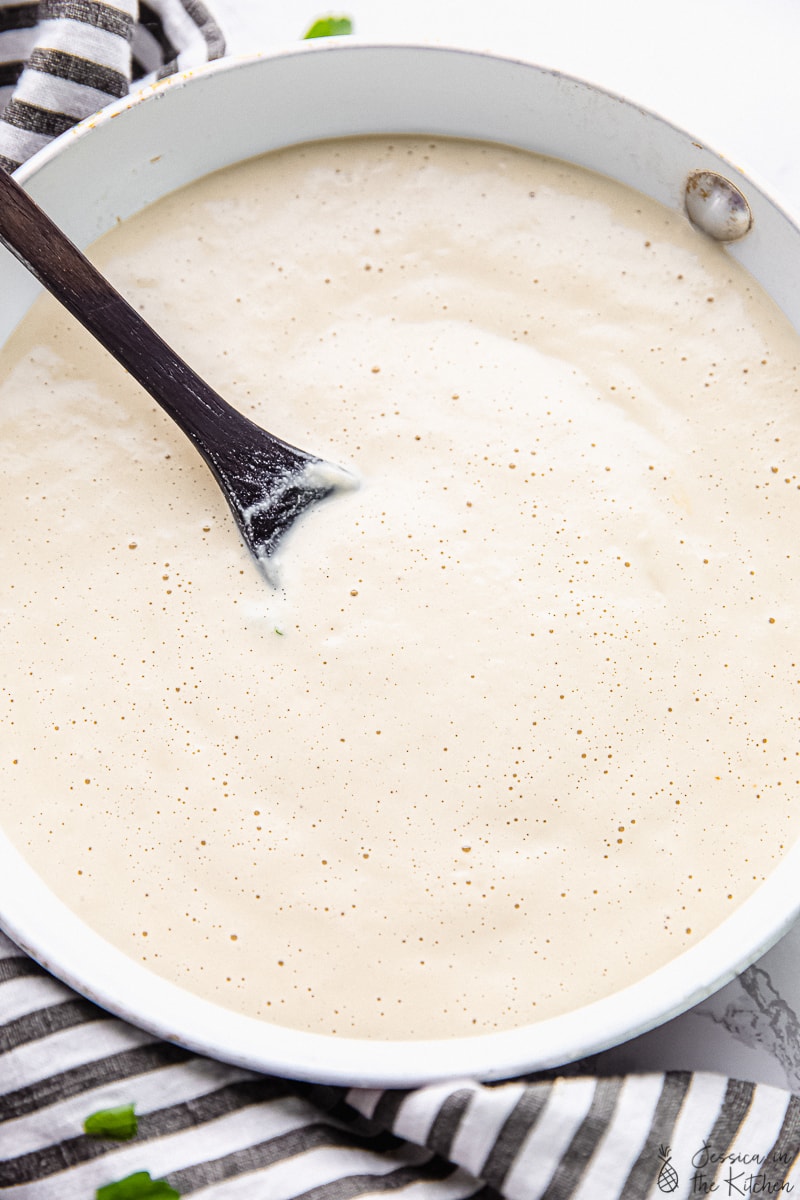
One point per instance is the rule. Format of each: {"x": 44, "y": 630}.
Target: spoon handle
{"x": 27, "y": 231}
{"x": 267, "y": 482}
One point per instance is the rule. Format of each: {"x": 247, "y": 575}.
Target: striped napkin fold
{"x": 62, "y": 60}
{"x": 222, "y": 1132}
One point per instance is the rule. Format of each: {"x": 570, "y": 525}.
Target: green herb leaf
{"x": 118, "y": 1123}
{"x": 138, "y": 1186}
{"x": 329, "y": 27}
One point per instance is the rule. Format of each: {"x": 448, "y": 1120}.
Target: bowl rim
{"x": 143, "y": 91}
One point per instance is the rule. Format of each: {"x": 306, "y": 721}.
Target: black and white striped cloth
{"x": 221, "y": 1132}
{"x": 62, "y": 60}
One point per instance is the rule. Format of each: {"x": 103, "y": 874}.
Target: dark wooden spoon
{"x": 267, "y": 482}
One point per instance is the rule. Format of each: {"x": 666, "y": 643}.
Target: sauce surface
{"x": 521, "y": 723}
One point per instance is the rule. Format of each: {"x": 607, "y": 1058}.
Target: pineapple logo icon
{"x": 667, "y": 1176}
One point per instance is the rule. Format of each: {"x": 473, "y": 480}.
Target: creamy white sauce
{"x": 521, "y": 724}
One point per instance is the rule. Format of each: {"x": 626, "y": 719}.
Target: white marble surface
{"x": 727, "y": 71}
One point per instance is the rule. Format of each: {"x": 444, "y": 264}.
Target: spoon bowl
{"x": 266, "y": 482}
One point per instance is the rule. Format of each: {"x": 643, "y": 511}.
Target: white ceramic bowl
{"x": 187, "y": 126}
